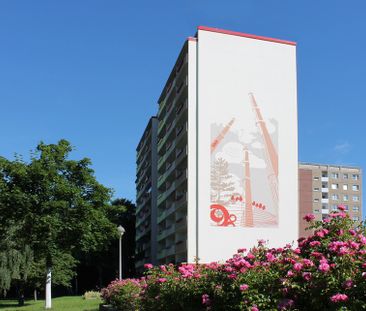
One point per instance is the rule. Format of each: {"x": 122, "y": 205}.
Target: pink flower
{"x": 244, "y": 287}
{"x": 242, "y": 250}
{"x": 309, "y": 217}
{"x": 206, "y": 300}
{"x": 308, "y": 262}
{"x": 270, "y": 257}
{"x": 290, "y": 273}
{"x": 148, "y": 266}
{"x": 298, "y": 266}
{"x": 314, "y": 243}
{"x": 306, "y": 276}
{"x": 348, "y": 284}
{"x": 324, "y": 267}
{"x": 339, "y": 298}
{"x": 162, "y": 280}
{"x": 163, "y": 268}
{"x": 254, "y": 308}
{"x": 341, "y": 207}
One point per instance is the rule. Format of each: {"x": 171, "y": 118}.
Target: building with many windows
{"x": 226, "y": 151}
{"x": 146, "y": 195}
{"x": 323, "y": 187}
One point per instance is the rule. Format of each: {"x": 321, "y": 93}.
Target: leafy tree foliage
{"x": 57, "y": 206}
{"x": 101, "y": 267}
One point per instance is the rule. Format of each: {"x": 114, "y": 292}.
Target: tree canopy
{"x": 57, "y": 207}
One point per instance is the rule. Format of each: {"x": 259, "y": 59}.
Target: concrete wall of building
{"x": 244, "y": 85}
{"x": 305, "y": 199}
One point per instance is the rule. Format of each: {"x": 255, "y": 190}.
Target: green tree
{"x": 58, "y": 206}
{"x": 104, "y": 263}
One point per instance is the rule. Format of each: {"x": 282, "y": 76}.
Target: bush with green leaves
{"x": 324, "y": 271}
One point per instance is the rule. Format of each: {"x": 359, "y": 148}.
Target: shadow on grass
{"x": 10, "y": 304}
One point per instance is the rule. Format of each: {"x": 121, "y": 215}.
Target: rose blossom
{"x": 339, "y": 298}
{"x": 244, "y": 287}
{"x": 206, "y": 300}
{"x": 309, "y": 217}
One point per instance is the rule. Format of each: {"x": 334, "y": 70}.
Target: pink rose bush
{"x": 325, "y": 271}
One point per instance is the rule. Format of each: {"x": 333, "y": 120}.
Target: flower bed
{"x": 326, "y": 271}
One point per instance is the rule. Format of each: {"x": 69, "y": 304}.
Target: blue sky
{"x": 92, "y": 71}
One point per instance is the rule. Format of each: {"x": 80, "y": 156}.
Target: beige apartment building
{"x": 323, "y": 187}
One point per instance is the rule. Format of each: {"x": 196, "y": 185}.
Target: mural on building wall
{"x": 244, "y": 168}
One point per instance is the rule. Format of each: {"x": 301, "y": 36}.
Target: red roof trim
{"x": 192, "y": 39}
{"x": 240, "y": 34}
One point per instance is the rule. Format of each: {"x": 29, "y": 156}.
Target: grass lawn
{"x": 68, "y": 303}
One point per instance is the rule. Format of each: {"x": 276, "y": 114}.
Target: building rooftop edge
{"x": 333, "y": 165}
{"x": 246, "y": 35}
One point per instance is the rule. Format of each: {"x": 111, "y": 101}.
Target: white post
{"x": 120, "y": 257}
{"x": 48, "y": 303}
{"x": 121, "y": 231}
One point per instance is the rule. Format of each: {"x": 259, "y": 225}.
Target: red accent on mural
{"x": 271, "y": 152}
{"x": 221, "y": 216}
{"x": 221, "y": 136}
{"x": 259, "y": 205}
{"x": 247, "y": 218}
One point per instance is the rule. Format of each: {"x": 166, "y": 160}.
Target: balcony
{"x": 325, "y": 189}
{"x": 173, "y": 207}
{"x": 325, "y": 179}
{"x": 175, "y": 184}
{"x": 166, "y": 232}
{"x": 325, "y": 200}
{"x": 181, "y": 247}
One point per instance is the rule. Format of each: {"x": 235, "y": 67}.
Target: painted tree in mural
{"x": 221, "y": 180}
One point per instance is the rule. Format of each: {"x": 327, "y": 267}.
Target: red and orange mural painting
{"x": 244, "y": 171}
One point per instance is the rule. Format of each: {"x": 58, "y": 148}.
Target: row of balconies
{"x": 172, "y": 208}
{"x": 172, "y": 88}
{"x": 174, "y": 127}
{"x": 172, "y": 146}
{"x": 181, "y": 155}
{"x": 174, "y": 185}
{"x": 173, "y": 111}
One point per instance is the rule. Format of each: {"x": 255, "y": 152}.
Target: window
{"x": 324, "y": 206}
{"x": 334, "y": 207}
{"x": 316, "y": 211}
{"x": 316, "y": 200}
{"x": 345, "y": 176}
{"x": 324, "y": 174}
{"x": 335, "y": 175}
{"x": 355, "y": 177}
{"x": 355, "y": 208}
{"x": 346, "y": 207}
{"x": 316, "y": 178}
{"x": 345, "y": 187}
{"x": 335, "y": 197}
{"x": 355, "y": 187}
{"x": 355, "y": 218}
{"x": 355, "y": 198}
{"x": 316, "y": 189}
{"x": 335, "y": 186}
{"x": 345, "y": 197}
{"x": 324, "y": 185}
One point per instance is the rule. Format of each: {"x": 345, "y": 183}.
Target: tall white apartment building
{"x": 227, "y": 165}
